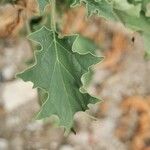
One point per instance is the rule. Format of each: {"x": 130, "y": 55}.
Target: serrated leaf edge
{"x": 35, "y": 63}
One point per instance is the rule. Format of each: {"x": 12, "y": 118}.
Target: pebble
{"x": 17, "y": 93}
{"x": 3, "y": 144}
{"x": 66, "y": 147}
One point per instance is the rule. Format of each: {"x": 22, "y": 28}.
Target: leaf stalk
{"x": 53, "y": 11}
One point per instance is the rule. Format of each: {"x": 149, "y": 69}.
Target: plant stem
{"x": 53, "y": 22}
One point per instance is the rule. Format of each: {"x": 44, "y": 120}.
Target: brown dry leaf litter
{"x": 75, "y": 21}
{"x": 134, "y": 124}
{"x": 114, "y": 55}
{"x": 14, "y": 17}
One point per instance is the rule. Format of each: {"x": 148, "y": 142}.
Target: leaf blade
{"x": 58, "y": 71}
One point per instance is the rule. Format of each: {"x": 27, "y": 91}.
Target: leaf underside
{"x": 58, "y": 70}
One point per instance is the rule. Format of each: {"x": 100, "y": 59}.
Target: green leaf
{"x": 135, "y": 14}
{"x": 125, "y": 6}
{"x": 42, "y": 4}
{"x": 58, "y": 71}
{"x": 146, "y": 7}
{"x": 101, "y": 8}
{"x": 85, "y": 45}
{"x": 140, "y": 24}
{"x": 135, "y": 23}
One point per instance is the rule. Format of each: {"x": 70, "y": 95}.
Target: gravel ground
{"x": 19, "y": 104}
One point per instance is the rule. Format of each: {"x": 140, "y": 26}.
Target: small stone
{"x": 35, "y": 125}
{"x": 67, "y": 147}
{"x": 17, "y": 93}
{"x": 3, "y": 144}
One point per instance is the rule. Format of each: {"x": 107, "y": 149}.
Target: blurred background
{"x": 120, "y": 122}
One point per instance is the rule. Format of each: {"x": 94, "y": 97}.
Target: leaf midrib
{"x": 57, "y": 60}
{"x": 61, "y": 64}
